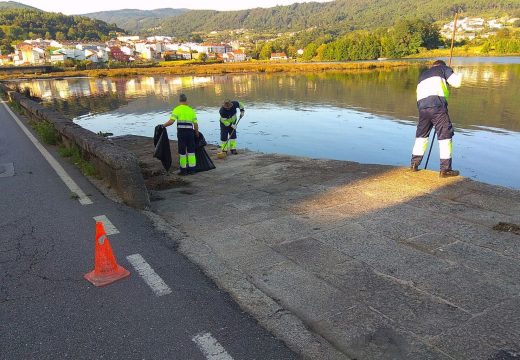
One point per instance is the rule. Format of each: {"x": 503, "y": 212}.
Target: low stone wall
{"x": 118, "y": 167}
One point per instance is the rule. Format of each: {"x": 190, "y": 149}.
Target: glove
{"x": 233, "y": 126}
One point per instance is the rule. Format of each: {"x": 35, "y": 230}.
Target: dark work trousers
{"x": 226, "y": 132}
{"x": 186, "y": 145}
{"x": 428, "y": 118}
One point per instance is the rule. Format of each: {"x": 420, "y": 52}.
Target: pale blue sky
{"x": 82, "y": 7}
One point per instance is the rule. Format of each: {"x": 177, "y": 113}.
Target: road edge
{"x": 282, "y": 323}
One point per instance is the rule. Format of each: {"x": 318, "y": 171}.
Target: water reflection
{"x": 367, "y": 117}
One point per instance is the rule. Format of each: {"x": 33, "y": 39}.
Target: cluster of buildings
{"x": 470, "y": 27}
{"x": 122, "y": 49}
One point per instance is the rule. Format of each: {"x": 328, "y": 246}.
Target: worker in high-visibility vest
{"x": 432, "y": 102}
{"x": 228, "y": 122}
{"x": 187, "y": 130}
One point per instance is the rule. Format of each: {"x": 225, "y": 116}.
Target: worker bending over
{"x": 228, "y": 124}
{"x": 432, "y": 102}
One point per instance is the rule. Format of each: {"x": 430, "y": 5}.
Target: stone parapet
{"x": 118, "y": 167}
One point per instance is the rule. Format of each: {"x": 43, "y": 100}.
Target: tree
{"x": 265, "y": 52}
{"x": 71, "y": 34}
{"x": 60, "y": 36}
{"x": 309, "y": 52}
{"x": 203, "y": 57}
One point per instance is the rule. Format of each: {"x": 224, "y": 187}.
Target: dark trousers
{"x": 429, "y": 118}
{"x": 186, "y": 148}
{"x": 226, "y": 132}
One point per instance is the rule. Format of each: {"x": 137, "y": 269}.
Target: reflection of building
{"x": 63, "y": 89}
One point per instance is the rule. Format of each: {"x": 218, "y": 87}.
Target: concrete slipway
{"x": 345, "y": 260}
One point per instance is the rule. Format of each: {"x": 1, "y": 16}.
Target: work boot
{"x": 234, "y": 151}
{"x": 448, "y": 173}
{"x": 414, "y": 167}
{"x": 192, "y": 172}
{"x": 182, "y": 172}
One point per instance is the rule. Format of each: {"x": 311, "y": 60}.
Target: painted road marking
{"x": 149, "y": 276}
{"x": 110, "y": 229}
{"x": 71, "y": 184}
{"x": 210, "y": 347}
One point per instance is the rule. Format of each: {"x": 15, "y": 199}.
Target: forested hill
{"x": 14, "y": 5}
{"x": 21, "y": 24}
{"x": 133, "y": 20}
{"x": 338, "y": 16}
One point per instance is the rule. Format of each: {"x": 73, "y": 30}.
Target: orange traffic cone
{"x": 106, "y": 270}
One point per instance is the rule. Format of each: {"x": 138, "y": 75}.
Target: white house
{"x": 234, "y": 56}
{"x": 128, "y": 39}
{"x": 278, "y": 56}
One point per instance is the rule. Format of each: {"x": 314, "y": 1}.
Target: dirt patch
{"x": 507, "y": 227}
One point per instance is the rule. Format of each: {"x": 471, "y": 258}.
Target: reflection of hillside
{"x": 487, "y": 98}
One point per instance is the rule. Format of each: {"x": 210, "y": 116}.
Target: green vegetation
{"x": 65, "y": 152}
{"x": 21, "y": 24}
{"x": 209, "y": 69}
{"x": 74, "y": 153}
{"x": 335, "y": 18}
{"x": 16, "y": 107}
{"x": 46, "y": 132}
{"x": 14, "y": 5}
{"x": 133, "y": 20}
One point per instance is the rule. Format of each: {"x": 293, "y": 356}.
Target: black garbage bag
{"x": 162, "y": 146}
{"x": 204, "y": 162}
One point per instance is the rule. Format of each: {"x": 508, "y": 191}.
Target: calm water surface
{"x": 366, "y": 117}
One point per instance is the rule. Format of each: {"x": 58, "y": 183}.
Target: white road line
{"x": 110, "y": 229}
{"x": 71, "y": 184}
{"x": 210, "y": 347}
{"x": 149, "y": 276}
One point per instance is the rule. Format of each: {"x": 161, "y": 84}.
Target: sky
{"x": 83, "y": 7}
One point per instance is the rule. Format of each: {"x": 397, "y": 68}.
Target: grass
{"x": 16, "y": 107}
{"x": 190, "y": 68}
{"x": 74, "y": 153}
{"x": 46, "y": 132}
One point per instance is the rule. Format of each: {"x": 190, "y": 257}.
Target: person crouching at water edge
{"x": 432, "y": 102}
{"x": 228, "y": 124}
{"x": 187, "y": 130}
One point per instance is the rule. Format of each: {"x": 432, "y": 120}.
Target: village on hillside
{"x": 128, "y": 49}
{"x": 124, "y": 49}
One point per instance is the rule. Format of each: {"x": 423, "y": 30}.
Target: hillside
{"x": 21, "y": 24}
{"x": 133, "y": 20}
{"x": 337, "y": 16}
{"x": 15, "y": 5}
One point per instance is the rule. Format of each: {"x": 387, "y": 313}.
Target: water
{"x": 367, "y": 117}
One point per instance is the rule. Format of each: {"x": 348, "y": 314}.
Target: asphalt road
{"x": 47, "y": 309}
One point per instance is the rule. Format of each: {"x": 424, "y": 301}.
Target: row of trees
{"x": 405, "y": 38}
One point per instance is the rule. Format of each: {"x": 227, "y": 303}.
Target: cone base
{"x": 106, "y": 279}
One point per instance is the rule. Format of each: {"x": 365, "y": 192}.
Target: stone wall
{"x": 118, "y": 167}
